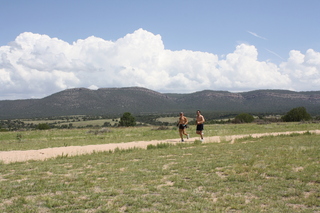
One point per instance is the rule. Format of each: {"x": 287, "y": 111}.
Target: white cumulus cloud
{"x": 303, "y": 70}
{"x": 244, "y": 71}
{"x": 35, "y": 65}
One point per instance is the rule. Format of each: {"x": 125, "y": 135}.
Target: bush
{"x": 244, "y": 118}
{"x": 106, "y": 124}
{"x": 317, "y": 118}
{"x": 43, "y": 126}
{"x": 127, "y": 120}
{"x": 296, "y": 114}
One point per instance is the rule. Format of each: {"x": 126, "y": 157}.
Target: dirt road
{"x": 43, "y": 154}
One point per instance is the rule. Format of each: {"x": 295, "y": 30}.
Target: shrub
{"x": 244, "y": 118}
{"x": 43, "y": 126}
{"x": 106, "y": 124}
{"x": 127, "y": 120}
{"x": 296, "y": 114}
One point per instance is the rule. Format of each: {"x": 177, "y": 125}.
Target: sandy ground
{"x": 43, "y": 154}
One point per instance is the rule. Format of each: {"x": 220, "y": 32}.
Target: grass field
{"x": 39, "y": 139}
{"x": 269, "y": 174}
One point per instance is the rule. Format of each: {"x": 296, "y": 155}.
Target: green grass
{"x": 39, "y": 139}
{"x": 269, "y": 174}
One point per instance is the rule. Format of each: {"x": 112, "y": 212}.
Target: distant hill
{"x": 137, "y": 100}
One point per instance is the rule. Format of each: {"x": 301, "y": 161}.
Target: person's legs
{"x": 200, "y": 133}
{"x": 199, "y": 130}
{"x": 185, "y": 133}
{"x": 181, "y": 132}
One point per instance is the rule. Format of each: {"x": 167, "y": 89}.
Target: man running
{"x": 183, "y": 121}
{"x": 199, "y": 121}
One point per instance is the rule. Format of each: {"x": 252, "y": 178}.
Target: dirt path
{"x": 42, "y": 154}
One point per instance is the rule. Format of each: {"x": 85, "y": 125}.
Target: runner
{"x": 183, "y": 121}
{"x": 199, "y": 121}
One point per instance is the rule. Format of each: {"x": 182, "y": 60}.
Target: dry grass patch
{"x": 272, "y": 174}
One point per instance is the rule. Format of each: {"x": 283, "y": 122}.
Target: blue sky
{"x": 191, "y": 45}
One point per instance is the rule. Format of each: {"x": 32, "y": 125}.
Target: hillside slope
{"x": 137, "y": 100}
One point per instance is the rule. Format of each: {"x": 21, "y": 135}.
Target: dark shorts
{"x": 199, "y": 127}
{"x": 182, "y": 126}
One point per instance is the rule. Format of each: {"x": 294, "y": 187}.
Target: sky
{"x": 169, "y": 46}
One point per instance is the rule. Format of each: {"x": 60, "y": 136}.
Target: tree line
{"x": 128, "y": 119}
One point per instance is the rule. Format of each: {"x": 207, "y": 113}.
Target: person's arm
{"x": 203, "y": 120}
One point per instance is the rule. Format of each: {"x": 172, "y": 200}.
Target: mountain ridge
{"x": 139, "y": 100}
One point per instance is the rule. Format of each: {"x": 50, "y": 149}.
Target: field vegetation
{"x": 269, "y": 174}
{"x": 39, "y": 139}
{"x": 128, "y": 119}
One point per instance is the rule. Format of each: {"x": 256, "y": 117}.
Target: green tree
{"x": 296, "y": 114}
{"x": 244, "y": 118}
{"x": 127, "y": 120}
